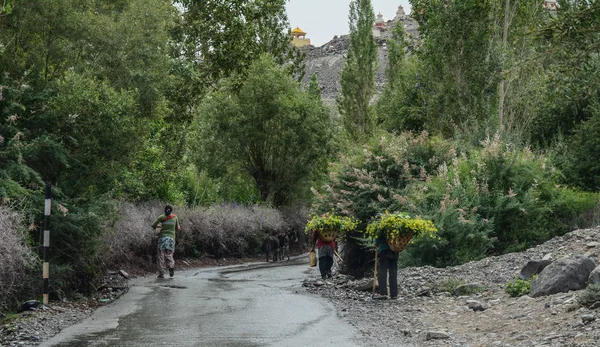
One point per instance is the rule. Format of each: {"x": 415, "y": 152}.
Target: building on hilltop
{"x": 379, "y": 26}
{"x": 299, "y": 38}
{"x": 400, "y": 15}
{"x": 383, "y": 29}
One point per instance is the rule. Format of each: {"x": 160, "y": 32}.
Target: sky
{"x": 323, "y": 19}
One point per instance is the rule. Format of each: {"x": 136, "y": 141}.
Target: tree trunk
{"x": 502, "y": 92}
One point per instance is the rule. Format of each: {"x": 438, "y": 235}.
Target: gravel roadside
{"x": 424, "y": 316}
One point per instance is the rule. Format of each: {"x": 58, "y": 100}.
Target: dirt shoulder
{"x": 423, "y": 317}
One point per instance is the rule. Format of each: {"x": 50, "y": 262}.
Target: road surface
{"x": 255, "y": 304}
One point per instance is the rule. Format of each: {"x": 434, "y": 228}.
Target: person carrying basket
{"x": 388, "y": 265}
{"x": 326, "y": 253}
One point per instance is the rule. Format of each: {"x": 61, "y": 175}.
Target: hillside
{"x": 327, "y": 60}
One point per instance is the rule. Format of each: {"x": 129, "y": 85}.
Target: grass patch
{"x": 590, "y": 296}
{"x": 518, "y": 287}
{"x": 446, "y": 285}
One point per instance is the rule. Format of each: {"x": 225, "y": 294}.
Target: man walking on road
{"x": 166, "y": 241}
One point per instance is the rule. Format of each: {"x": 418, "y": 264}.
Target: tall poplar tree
{"x": 358, "y": 75}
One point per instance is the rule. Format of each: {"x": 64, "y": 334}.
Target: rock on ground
{"x": 443, "y": 320}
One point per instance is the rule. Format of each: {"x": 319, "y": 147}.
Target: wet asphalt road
{"x": 255, "y": 304}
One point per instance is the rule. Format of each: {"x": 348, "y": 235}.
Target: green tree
{"x": 271, "y": 129}
{"x": 357, "y": 78}
{"x": 401, "y": 105}
{"x": 225, "y": 37}
{"x": 460, "y": 66}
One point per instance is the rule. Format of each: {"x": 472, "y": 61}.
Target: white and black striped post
{"x": 46, "y": 269}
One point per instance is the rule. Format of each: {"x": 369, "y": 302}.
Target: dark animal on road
{"x": 284, "y": 245}
{"x": 271, "y": 246}
{"x": 285, "y": 238}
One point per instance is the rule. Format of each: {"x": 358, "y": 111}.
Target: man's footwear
{"x": 171, "y": 272}
{"x": 329, "y": 275}
{"x": 160, "y": 276}
{"x": 393, "y": 298}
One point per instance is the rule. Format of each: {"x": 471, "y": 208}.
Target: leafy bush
{"x": 590, "y": 296}
{"x": 489, "y": 199}
{"x": 518, "y": 287}
{"x": 15, "y": 256}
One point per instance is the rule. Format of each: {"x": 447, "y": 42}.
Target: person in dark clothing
{"x": 388, "y": 264}
{"x": 326, "y": 253}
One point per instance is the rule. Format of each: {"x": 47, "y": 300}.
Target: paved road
{"x": 255, "y": 304}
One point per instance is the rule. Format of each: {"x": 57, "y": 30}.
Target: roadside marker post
{"x": 46, "y": 268}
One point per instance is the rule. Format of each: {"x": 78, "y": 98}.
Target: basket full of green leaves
{"x": 330, "y": 225}
{"x": 400, "y": 228}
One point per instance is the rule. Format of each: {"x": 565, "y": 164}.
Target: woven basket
{"x": 399, "y": 242}
{"x": 327, "y": 236}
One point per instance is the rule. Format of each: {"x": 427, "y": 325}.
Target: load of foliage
{"x": 330, "y": 224}
{"x": 399, "y": 223}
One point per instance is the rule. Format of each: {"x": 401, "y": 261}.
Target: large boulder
{"x": 533, "y": 267}
{"x": 563, "y": 275}
{"x": 595, "y": 276}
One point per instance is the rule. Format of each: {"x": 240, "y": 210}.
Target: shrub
{"x": 590, "y": 296}
{"x": 219, "y": 230}
{"x": 15, "y": 256}
{"x": 518, "y": 287}
{"x": 490, "y": 199}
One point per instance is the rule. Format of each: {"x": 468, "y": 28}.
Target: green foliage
{"x": 400, "y": 223}
{"x": 229, "y": 35}
{"x": 357, "y": 79}
{"x": 590, "y": 296}
{"x": 458, "y": 61}
{"x": 401, "y": 106}
{"x": 330, "y": 222}
{"x": 518, "y": 287}
{"x": 573, "y": 32}
{"x": 581, "y": 146}
{"x": 80, "y": 83}
{"x": 90, "y": 120}
{"x": 490, "y": 199}
{"x": 272, "y": 130}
